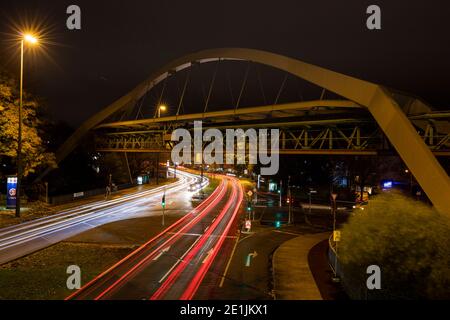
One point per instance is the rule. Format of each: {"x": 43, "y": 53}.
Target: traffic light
{"x": 163, "y": 202}
{"x": 278, "y": 218}
{"x": 249, "y": 206}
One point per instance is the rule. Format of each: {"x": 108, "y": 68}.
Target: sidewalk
{"x": 293, "y": 279}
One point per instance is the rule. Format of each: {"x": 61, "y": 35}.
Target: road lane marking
{"x": 89, "y": 225}
{"x": 179, "y": 260}
{"x": 228, "y": 263}
{"x": 250, "y": 256}
{"x": 286, "y": 232}
{"x": 210, "y": 252}
{"x": 247, "y": 237}
{"x": 186, "y": 234}
{"x": 198, "y": 235}
{"x": 165, "y": 250}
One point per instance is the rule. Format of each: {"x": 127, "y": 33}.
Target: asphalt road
{"x": 174, "y": 263}
{"x": 26, "y": 238}
{"x": 245, "y": 277}
{"x": 251, "y": 281}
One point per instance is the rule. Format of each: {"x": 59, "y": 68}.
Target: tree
{"x": 407, "y": 239}
{"x": 33, "y": 148}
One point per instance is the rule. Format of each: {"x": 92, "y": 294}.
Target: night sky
{"x": 121, "y": 42}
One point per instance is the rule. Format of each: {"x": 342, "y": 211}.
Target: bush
{"x": 408, "y": 240}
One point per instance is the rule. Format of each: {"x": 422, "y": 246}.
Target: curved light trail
{"x": 172, "y": 264}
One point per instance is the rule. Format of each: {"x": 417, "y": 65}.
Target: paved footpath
{"x": 293, "y": 279}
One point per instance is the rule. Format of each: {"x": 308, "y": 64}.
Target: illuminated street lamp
{"x": 161, "y": 108}
{"x": 32, "y": 40}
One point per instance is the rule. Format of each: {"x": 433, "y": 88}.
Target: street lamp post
{"x": 32, "y": 40}
{"x": 162, "y": 108}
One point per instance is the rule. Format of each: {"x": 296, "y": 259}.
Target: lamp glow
{"x": 30, "y": 38}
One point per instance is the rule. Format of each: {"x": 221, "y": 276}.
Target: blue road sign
{"x": 11, "y": 192}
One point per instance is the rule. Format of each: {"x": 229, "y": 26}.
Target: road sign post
{"x": 336, "y": 235}
{"x": 11, "y": 192}
{"x": 248, "y": 225}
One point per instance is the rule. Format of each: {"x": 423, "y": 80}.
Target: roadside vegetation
{"x": 34, "y": 148}
{"x": 213, "y": 184}
{"x": 42, "y": 275}
{"x": 407, "y": 239}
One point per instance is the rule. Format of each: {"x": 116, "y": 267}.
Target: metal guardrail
{"x": 350, "y": 285}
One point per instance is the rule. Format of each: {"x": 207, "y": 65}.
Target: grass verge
{"x": 42, "y": 275}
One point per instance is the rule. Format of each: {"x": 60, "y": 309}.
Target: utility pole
{"x": 281, "y": 190}
{"x": 289, "y": 200}
{"x": 46, "y": 192}
{"x": 157, "y": 168}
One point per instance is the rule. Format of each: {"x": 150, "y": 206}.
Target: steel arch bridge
{"x": 363, "y": 118}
